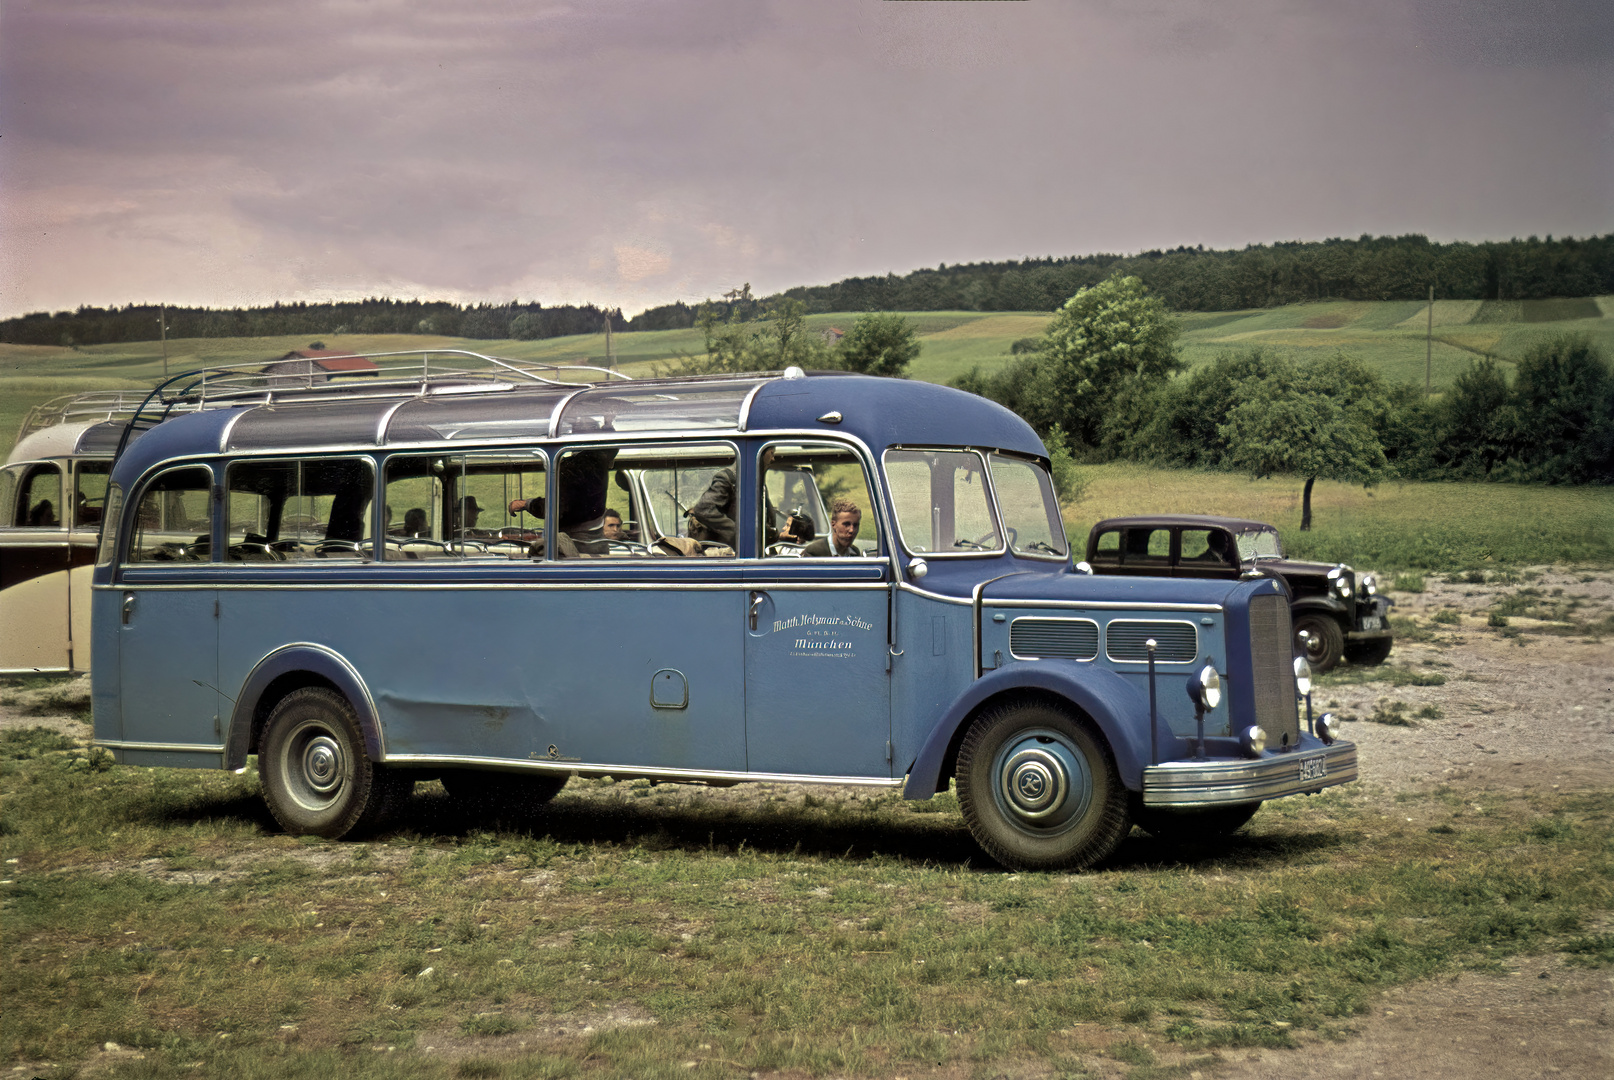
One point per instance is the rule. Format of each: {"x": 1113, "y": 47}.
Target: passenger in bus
{"x": 43, "y": 514}
{"x": 711, "y": 519}
{"x": 613, "y": 525}
{"x": 415, "y": 522}
{"x": 472, "y": 512}
{"x": 844, "y": 520}
{"x": 583, "y": 480}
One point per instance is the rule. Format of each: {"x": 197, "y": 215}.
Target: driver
{"x": 844, "y": 519}
{"x": 712, "y": 518}
{"x": 612, "y": 529}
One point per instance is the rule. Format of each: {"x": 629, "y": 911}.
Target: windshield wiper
{"x": 1041, "y": 545}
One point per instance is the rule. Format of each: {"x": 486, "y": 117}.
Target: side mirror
{"x": 918, "y": 568}
{"x": 1084, "y": 567}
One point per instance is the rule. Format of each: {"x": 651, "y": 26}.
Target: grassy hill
{"x": 1389, "y": 336}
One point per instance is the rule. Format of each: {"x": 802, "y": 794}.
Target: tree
{"x": 880, "y": 344}
{"x": 1104, "y": 337}
{"x": 1563, "y": 426}
{"x": 1312, "y": 420}
{"x": 779, "y": 339}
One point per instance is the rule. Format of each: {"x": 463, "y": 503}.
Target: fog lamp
{"x": 1252, "y": 740}
{"x": 1328, "y": 727}
{"x": 1205, "y": 689}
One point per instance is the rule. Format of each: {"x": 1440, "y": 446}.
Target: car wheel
{"x": 316, "y": 777}
{"x": 1039, "y": 789}
{"x": 1325, "y": 645}
{"x": 1184, "y": 826}
{"x": 490, "y": 792}
{"x": 1369, "y": 653}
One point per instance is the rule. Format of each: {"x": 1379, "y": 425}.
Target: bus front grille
{"x": 1273, "y": 677}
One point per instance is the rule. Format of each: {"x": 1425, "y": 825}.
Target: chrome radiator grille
{"x": 1054, "y": 639}
{"x": 1273, "y": 676}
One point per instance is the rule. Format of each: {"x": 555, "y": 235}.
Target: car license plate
{"x": 1313, "y": 768}
{"x": 1371, "y": 622}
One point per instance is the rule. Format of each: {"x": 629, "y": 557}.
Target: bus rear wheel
{"x": 1039, "y": 789}
{"x": 316, "y": 777}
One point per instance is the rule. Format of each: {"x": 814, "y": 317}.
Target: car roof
{"x": 1196, "y": 521}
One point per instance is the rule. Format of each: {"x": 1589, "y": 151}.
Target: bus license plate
{"x": 1315, "y": 768}
{"x": 1371, "y": 622}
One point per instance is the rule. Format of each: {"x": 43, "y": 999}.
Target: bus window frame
{"x": 991, "y": 504}
{"x": 221, "y": 514}
{"x": 126, "y": 541}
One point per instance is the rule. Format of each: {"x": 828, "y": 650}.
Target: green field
{"x": 1393, "y": 526}
{"x": 1388, "y": 336}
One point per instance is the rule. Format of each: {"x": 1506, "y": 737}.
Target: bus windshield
{"x": 1030, "y": 510}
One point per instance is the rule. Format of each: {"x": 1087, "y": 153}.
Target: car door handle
{"x": 128, "y": 607}
{"x": 757, "y": 600}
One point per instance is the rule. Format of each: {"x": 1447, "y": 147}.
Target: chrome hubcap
{"x": 322, "y": 761}
{"x": 1043, "y": 782}
{"x": 315, "y": 766}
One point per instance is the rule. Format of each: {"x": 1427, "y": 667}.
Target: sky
{"x": 635, "y": 152}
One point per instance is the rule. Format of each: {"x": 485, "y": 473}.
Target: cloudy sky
{"x": 634, "y": 152}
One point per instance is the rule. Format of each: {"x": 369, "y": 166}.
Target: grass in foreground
{"x": 639, "y": 931}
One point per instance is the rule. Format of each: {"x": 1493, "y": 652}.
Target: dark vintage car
{"x": 1339, "y": 614}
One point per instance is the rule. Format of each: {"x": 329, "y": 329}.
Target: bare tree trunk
{"x": 1305, "y": 505}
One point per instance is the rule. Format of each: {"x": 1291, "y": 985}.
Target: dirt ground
{"x": 1527, "y": 705}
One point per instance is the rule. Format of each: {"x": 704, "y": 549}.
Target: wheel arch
{"x": 1098, "y": 694}
{"x": 1319, "y": 605}
{"x": 289, "y": 668}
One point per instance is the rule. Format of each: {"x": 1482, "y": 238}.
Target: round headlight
{"x": 1328, "y": 727}
{"x": 1252, "y": 740}
{"x": 1212, "y": 684}
{"x": 1343, "y": 585}
{"x": 1370, "y": 585}
{"x": 1302, "y": 676}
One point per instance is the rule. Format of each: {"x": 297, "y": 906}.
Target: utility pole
{"x": 610, "y": 362}
{"x": 162, "y": 324}
{"x": 1429, "y": 345}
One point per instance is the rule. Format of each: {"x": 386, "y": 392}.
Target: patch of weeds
{"x": 1410, "y": 583}
{"x": 1448, "y": 617}
{"x": 1386, "y": 673}
{"x": 1409, "y": 629}
{"x": 1443, "y": 830}
{"x": 1391, "y": 714}
{"x": 1231, "y": 1036}
{"x": 489, "y": 1023}
{"x": 1595, "y": 950}
{"x": 479, "y": 1068}
{"x": 1553, "y": 829}
{"x": 1132, "y": 1053}
{"x": 1496, "y": 619}
{"x": 1430, "y": 712}
{"x": 26, "y": 744}
{"x": 1474, "y": 577}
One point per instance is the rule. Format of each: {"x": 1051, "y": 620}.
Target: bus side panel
{"x": 105, "y": 676}
{"x": 519, "y": 674}
{"x": 33, "y": 605}
{"x": 79, "y": 606}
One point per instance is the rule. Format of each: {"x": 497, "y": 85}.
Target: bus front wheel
{"x": 316, "y": 777}
{"x": 1039, "y": 789}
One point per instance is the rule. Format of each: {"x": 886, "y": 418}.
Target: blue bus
{"x": 812, "y": 578}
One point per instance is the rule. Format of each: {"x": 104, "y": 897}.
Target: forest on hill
{"x": 1186, "y": 279}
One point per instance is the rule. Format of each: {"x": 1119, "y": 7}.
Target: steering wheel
{"x": 239, "y": 551}
{"x": 628, "y": 548}
{"x": 326, "y": 547}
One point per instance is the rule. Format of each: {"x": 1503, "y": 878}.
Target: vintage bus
{"x": 368, "y": 592}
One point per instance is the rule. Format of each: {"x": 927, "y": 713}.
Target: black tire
{"x": 501, "y": 792}
{"x": 1369, "y": 653}
{"x": 1327, "y": 642}
{"x": 1039, "y": 789}
{"x": 316, "y": 777}
{"x": 1185, "y": 826}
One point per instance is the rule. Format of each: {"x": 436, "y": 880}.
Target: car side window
{"x": 1208, "y": 547}
{"x": 1108, "y": 549}
{"x": 1147, "y": 547}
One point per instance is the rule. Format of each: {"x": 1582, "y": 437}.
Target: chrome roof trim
{"x": 560, "y": 406}
{"x": 386, "y": 421}
{"x": 229, "y": 428}
{"x": 745, "y": 406}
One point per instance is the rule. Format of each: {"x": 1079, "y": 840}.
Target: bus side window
{"x": 171, "y": 522}
{"x": 39, "y": 495}
{"x": 292, "y": 511}
{"x": 89, "y": 498}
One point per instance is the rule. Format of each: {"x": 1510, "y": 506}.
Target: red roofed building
{"x": 304, "y": 367}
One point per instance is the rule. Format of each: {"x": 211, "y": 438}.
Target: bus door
{"x": 817, "y": 678}
{"x": 168, "y": 631}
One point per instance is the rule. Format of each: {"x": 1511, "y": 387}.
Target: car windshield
{"x": 1260, "y": 544}
{"x": 1030, "y": 510}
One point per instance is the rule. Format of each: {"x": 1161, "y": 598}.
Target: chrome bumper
{"x": 1224, "y": 780}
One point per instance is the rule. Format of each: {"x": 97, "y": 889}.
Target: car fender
{"x": 1323, "y": 605}
{"x": 302, "y": 659}
{"x": 1103, "y": 695}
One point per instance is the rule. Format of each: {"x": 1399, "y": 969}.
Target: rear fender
{"x": 291, "y": 667}
{"x": 1120, "y": 711}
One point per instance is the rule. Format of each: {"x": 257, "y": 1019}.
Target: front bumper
{"x": 1372, "y": 621}
{"x": 1223, "y": 781}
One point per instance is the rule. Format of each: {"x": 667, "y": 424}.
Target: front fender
{"x": 310, "y": 664}
{"x": 1120, "y": 711}
{"x": 1321, "y": 605}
